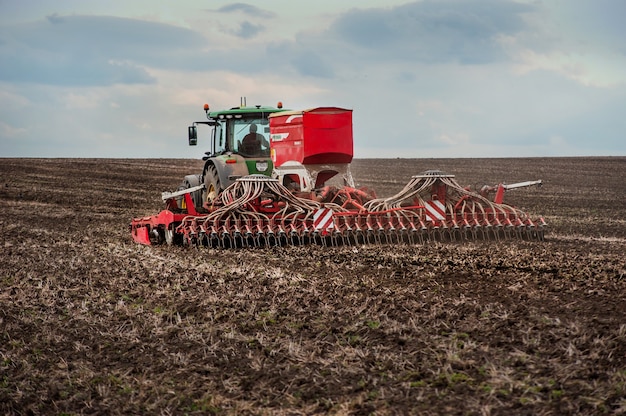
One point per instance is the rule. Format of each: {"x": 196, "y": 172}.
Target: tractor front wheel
{"x": 212, "y": 184}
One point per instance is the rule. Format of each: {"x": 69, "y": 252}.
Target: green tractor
{"x": 240, "y": 146}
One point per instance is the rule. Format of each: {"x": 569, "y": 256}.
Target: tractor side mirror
{"x": 192, "y": 132}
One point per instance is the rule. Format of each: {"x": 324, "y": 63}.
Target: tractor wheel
{"x": 188, "y": 182}
{"x": 180, "y": 201}
{"x": 212, "y": 184}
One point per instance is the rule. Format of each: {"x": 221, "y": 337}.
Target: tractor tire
{"x": 212, "y": 184}
{"x": 189, "y": 182}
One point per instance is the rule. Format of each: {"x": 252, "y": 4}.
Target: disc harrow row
{"x": 258, "y": 211}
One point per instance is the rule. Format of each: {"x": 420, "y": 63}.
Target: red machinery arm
{"x": 500, "y": 188}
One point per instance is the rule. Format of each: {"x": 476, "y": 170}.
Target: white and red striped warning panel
{"x": 323, "y": 219}
{"x": 435, "y": 211}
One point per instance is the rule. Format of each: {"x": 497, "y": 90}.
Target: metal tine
{"x": 337, "y": 234}
{"x": 398, "y": 236}
{"x": 407, "y": 237}
{"x": 239, "y": 241}
{"x": 357, "y": 234}
{"x": 270, "y": 238}
{"x": 249, "y": 238}
{"x": 422, "y": 233}
{"x": 228, "y": 241}
{"x": 490, "y": 233}
{"x": 282, "y": 238}
{"x": 364, "y": 237}
{"x": 416, "y": 233}
{"x": 345, "y": 237}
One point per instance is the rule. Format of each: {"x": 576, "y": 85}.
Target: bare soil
{"x": 92, "y": 323}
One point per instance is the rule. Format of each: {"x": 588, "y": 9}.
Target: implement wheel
{"x": 212, "y": 184}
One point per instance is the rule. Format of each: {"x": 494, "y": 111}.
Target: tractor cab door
{"x": 219, "y": 143}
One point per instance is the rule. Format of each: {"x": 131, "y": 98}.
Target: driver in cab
{"x": 252, "y": 142}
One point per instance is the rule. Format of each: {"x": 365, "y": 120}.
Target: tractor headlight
{"x": 261, "y": 166}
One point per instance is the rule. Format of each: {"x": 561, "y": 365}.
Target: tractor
{"x": 239, "y": 146}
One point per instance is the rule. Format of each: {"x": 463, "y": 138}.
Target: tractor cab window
{"x": 251, "y": 137}
{"x": 219, "y": 143}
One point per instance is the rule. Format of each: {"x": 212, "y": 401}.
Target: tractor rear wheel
{"x": 212, "y": 184}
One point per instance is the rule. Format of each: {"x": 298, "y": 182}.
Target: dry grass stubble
{"x": 92, "y": 323}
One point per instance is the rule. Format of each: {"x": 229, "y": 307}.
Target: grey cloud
{"x": 248, "y": 30}
{"x": 425, "y": 32}
{"x": 309, "y": 59}
{"x": 93, "y": 50}
{"x": 55, "y": 18}
{"x": 312, "y": 64}
{"x": 429, "y": 31}
{"x": 246, "y": 9}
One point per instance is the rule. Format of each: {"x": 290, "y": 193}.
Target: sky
{"x": 425, "y": 79}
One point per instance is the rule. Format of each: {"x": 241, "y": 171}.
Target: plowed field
{"x": 92, "y": 323}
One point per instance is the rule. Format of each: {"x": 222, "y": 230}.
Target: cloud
{"x": 307, "y": 59}
{"x": 247, "y": 9}
{"x": 93, "y": 50}
{"x": 248, "y": 30}
{"x": 9, "y": 131}
{"x": 391, "y": 39}
{"x": 433, "y": 31}
{"x": 582, "y": 42}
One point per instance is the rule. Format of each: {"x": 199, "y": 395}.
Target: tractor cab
{"x": 240, "y": 130}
